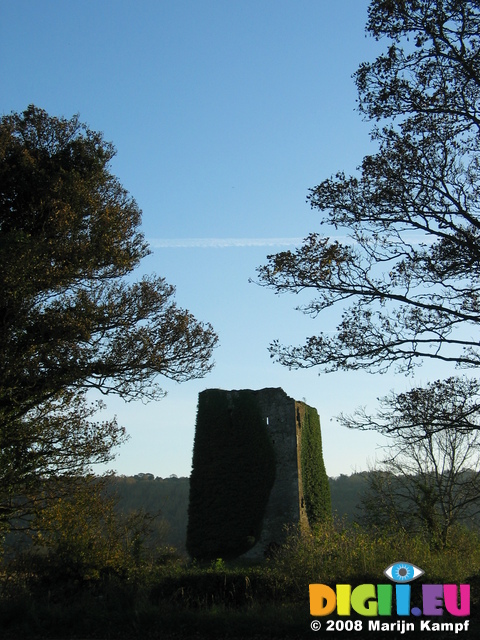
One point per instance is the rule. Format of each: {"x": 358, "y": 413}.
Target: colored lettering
{"x": 343, "y": 599}
{"x": 432, "y": 599}
{"x": 450, "y": 595}
{"x": 361, "y": 595}
{"x": 373, "y": 600}
{"x": 384, "y": 598}
{"x": 402, "y": 596}
{"x": 322, "y": 600}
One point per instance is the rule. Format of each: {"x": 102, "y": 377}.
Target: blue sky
{"x": 224, "y": 113}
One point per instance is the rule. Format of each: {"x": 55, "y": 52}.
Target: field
{"x": 45, "y": 596}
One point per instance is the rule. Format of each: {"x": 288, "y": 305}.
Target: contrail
{"x": 221, "y": 243}
{"x": 227, "y": 243}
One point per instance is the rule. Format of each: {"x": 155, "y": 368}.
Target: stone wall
{"x": 284, "y": 418}
{"x": 285, "y": 507}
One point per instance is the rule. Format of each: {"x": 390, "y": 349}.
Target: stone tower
{"x": 285, "y": 420}
{"x": 286, "y": 505}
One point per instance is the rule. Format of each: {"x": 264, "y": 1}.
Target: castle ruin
{"x": 297, "y": 493}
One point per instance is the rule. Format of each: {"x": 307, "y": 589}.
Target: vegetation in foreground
{"x": 142, "y": 593}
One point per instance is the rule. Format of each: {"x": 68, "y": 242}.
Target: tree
{"x": 82, "y": 535}
{"x": 45, "y": 455}
{"x": 430, "y": 480}
{"x": 410, "y": 267}
{"x": 71, "y": 317}
{"x": 441, "y": 405}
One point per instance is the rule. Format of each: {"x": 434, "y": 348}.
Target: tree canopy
{"x": 443, "y": 405}
{"x": 408, "y": 275}
{"x": 71, "y": 316}
{"x": 68, "y": 237}
{"x": 430, "y": 477}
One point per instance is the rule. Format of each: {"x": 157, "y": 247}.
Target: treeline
{"x": 167, "y": 498}
{"x": 165, "y": 502}
{"x": 164, "y": 498}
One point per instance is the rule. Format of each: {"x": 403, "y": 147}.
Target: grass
{"x": 224, "y": 600}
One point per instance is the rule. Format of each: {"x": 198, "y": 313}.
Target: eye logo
{"x": 403, "y": 572}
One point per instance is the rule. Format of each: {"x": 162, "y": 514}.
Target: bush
{"x": 336, "y": 552}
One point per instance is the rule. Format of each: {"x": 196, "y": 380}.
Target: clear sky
{"x": 224, "y": 113}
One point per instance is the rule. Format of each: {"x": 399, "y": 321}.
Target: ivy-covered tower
{"x": 257, "y": 469}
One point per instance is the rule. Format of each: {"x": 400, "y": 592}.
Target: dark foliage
{"x": 316, "y": 489}
{"x": 167, "y": 497}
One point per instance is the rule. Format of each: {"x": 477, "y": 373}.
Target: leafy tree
{"x": 43, "y": 454}
{"x": 410, "y": 266}
{"x": 71, "y": 317}
{"x": 82, "y": 534}
{"x": 430, "y": 479}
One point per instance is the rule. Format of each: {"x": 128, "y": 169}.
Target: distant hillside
{"x": 347, "y": 493}
{"x": 169, "y": 497}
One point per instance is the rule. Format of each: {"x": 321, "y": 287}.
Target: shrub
{"x": 336, "y": 553}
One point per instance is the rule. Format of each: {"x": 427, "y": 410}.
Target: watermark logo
{"x": 378, "y": 600}
{"x": 403, "y": 572}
